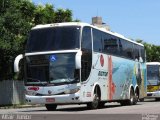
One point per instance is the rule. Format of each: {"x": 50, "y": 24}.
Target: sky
{"x": 135, "y": 19}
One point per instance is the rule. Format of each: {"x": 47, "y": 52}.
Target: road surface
{"x": 148, "y": 110}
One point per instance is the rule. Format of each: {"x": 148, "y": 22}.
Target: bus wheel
{"x": 132, "y": 98}
{"x": 136, "y": 98}
{"x": 51, "y": 107}
{"x": 95, "y": 103}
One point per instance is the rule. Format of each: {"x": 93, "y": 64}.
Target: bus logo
{"x": 102, "y": 60}
{"x": 34, "y": 88}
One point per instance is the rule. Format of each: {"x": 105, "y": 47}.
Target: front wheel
{"x": 95, "y": 103}
{"x": 51, "y": 107}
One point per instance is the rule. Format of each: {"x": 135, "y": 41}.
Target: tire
{"x": 51, "y": 107}
{"x": 136, "y": 97}
{"x": 95, "y": 103}
{"x": 131, "y": 100}
{"x": 96, "y": 100}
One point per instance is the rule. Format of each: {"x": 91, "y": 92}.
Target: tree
{"x": 62, "y": 15}
{"x": 152, "y": 51}
{"x": 17, "y": 17}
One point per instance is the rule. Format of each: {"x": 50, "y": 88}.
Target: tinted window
{"x": 136, "y": 52}
{"x": 97, "y": 40}
{"x": 86, "y": 59}
{"x": 142, "y": 51}
{"x": 53, "y": 38}
{"x": 86, "y": 38}
{"x": 126, "y": 48}
{"x": 110, "y": 44}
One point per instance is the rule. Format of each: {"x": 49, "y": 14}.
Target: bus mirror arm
{"x": 78, "y": 60}
{"x": 16, "y": 62}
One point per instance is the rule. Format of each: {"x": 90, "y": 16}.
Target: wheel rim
{"x": 136, "y": 98}
{"x": 95, "y": 101}
{"x": 132, "y": 98}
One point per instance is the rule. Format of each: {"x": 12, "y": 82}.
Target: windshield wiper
{"x": 35, "y": 80}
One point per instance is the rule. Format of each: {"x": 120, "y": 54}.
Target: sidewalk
{"x": 19, "y": 106}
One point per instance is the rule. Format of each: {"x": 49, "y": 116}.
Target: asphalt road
{"x": 148, "y": 110}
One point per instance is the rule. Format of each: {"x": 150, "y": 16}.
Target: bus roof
{"x": 153, "y": 63}
{"x": 85, "y": 24}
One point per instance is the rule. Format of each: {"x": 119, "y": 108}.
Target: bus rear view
{"x": 153, "y": 78}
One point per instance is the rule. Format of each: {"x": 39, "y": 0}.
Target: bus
{"x": 153, "y": 78}
{"x": 78, "y": 63}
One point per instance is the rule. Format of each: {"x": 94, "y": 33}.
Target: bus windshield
{"x": 62, "y": 69}
{"x": 53, "y": 38}
{"x": 52, "y": 69}
{"x": 152, "y": 74}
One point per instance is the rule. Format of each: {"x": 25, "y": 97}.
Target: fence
{"x": 11, "y": 92}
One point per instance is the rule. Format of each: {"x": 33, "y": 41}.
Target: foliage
{"x": 152, "y": 51}
{"x": 17, "y": 17}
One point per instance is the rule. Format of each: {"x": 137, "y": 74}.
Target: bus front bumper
{"x": 155, "y": 94}
{"x": 55, "y": 99}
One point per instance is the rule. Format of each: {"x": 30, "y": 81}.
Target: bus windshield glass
{"x": 52, "y": 69}
{"x": 53, "y": 38}
{"x": 153, "y": 74}
{"x": 62, "y": 69}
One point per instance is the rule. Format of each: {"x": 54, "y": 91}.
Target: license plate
{"x": 50, "y": 100}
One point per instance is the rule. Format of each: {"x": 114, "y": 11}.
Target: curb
{"x": 20, "y": 106}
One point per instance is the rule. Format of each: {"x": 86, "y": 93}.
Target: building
{"x": 97, "y": 21}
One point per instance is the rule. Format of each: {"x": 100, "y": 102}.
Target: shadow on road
{"x": 84, "y": 108}
{"x": 150, "y": 100}
{"x": 75, "y": 108}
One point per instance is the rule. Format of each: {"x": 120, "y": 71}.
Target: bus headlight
{"x": 72, "y": 91}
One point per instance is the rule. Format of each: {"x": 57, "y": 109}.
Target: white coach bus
{"x": 153, "y": 80}
{"x": 78, "y": 63}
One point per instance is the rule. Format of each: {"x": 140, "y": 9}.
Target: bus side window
{"x": 126, "y": 49}
{"x": 142, "y": 51}
{"x": 97, "y": 41}
{"x": 136, "y": 52}
{"x": 110, "y": 45}
{"x": 86, "y": 59}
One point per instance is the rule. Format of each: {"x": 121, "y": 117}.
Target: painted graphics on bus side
{"x": 115, "y": 76}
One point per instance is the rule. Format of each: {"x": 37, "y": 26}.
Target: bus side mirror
{"x": 16, "y": 62}
{"x": 78, "y": 60}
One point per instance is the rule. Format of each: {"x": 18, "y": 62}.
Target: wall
{"x": 11, "y": 92}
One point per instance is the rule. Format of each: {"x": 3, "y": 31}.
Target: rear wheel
{"x": 51, "y": 107}
{"x": 132, "y": 98}
{"x": 136, "y": 97}
{"x": 131, "y": 101}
